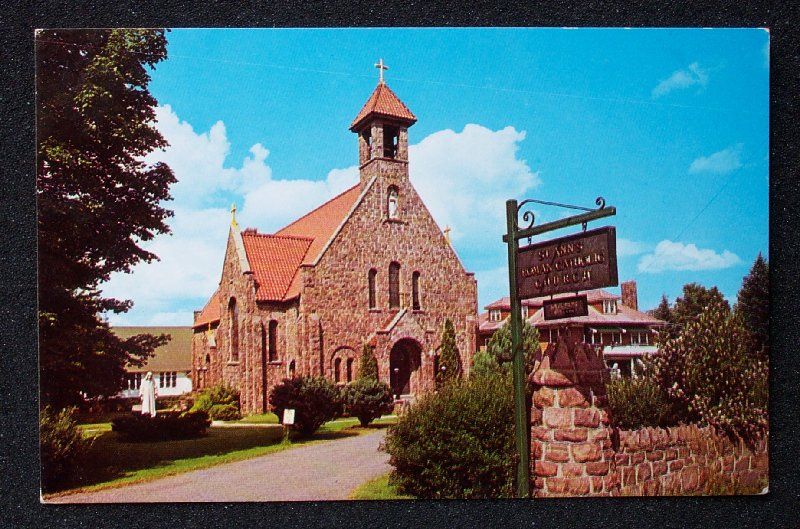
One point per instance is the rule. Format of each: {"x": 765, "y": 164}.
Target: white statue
{"x": 615, "y": 371}
{"x": 393, "y": 204}
{"x": 148, "y": 393}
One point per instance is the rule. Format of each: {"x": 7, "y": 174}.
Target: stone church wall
{"x": 336, "y": 290}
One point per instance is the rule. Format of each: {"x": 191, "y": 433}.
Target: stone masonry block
{"x": 557, "y": 417}
{"x": 584, "y": 452}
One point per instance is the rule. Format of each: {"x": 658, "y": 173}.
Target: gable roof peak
{"x": 383, "y": 103}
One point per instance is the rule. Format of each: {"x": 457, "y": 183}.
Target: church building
{"x": 368, "y": 266}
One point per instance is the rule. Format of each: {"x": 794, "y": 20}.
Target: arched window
{"x": 415, "y": 291}
{"x": 263, "y": 343}
{"x": 291, "y": 369}
{"x": 233, "y": 322}
{"x": 337, "y": 369}
{"x": 394, "y": 285}
{"x": 371, "y": 281}
{"x": 392, "y": 203}
{"x": 273, "y": 340}
{"x": 349, "y": 369}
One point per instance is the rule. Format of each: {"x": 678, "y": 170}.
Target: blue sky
{"x": 670, "y": 126}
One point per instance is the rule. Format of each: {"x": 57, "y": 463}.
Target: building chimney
{"x": 196, "y": 315}
{"x": 629, "y": 296}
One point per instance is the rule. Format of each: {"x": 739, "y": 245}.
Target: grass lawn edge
{"x": 377, "y": 489}
{"x": 337, "y": 425}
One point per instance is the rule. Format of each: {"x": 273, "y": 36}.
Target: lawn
{"x": 378, "y": 489}
{"x": 112, "y": 462}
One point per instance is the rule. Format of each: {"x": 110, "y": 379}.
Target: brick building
{"x": 614, "y": 322}
{"x": 370, "y": 265}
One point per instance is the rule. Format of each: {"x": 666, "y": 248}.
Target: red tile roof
{"x": 320, "y": 223}
{"x": 210, "y": 312}
{"x": 274, "y": 261}
{"x": 624, "y": 315}
{"x": 592, "y": 296}
{"x": 383, "y": 102}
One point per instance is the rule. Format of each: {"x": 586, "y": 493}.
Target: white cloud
{"x": 463, "y": 177}
{"x": 693, "y": 75}
{"x": 669, "y": 255}
{"x": 627, "y": 248}
{"x": 721, "y": 162}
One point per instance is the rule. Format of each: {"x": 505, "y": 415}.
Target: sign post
{"x": 578, "y": 262}
{"x": 288, "y": 420}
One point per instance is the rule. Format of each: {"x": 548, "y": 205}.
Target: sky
{"x": 670, "y": 126}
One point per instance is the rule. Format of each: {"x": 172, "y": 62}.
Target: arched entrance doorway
{"x": 404, "y": 361}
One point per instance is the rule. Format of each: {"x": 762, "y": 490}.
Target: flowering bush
{"x": 710, "y": 374}
{"x": 637, "y": 402}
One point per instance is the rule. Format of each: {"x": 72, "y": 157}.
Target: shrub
{"x": 61, "y": 444}
{"x": 485, "y": 363}
{"x": 163, "y": 427}
{"x": 710, "y": 374}
{"x": 458, "y": 442}
{"x": 315, "y": 401}
{"x": 637, "y": 402}
{"x": 224, "y": 412}
{"x": 499, "y": 344}
{"x": 367, "y": 399}
{"x": 221, "y": 394}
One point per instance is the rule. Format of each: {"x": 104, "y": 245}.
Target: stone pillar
{"x": 571, "y": 450}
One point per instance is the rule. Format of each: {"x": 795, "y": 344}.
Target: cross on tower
{"x": 381, "y": 67}
{"x": 233, "y": 213}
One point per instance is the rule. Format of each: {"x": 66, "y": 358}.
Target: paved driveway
{"x": 323, "y": 471}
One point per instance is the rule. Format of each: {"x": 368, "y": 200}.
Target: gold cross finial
{"x": 447, "y": 233}
{"x": 233, "y": 214}
{"x": 381, "y": 67}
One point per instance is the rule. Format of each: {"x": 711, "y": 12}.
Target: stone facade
{"x": 327, "y": 323}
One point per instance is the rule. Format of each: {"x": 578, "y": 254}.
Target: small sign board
{"x": 582, "y": 261}
{"x": 571, "y": 307}
{"x": 288, "y": 417}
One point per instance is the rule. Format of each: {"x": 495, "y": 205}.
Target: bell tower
{"x": 382, "y": 129}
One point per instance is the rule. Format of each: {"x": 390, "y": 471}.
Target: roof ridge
{"x": 298, "y": 219}
{"x": 276, "y": 236}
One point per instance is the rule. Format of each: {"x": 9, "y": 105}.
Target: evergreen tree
{"x": 98, "y": 200}
{"x": 499, "y": 344}
{"x": 450, "y": 359}
{"x": 662, "y": 312}
{"x": 752, "y": 304}
{"x": 694, "y": 301}
{"x": 368, "y": 368}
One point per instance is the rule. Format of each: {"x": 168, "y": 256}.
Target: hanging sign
{"x": 571, "y": 307}
{"x": 582, "y": 261}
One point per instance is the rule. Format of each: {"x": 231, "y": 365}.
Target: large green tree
{"x": 752, "y": 304}
{"x": 98, "y": 200}
{"x": 692, "y": 303}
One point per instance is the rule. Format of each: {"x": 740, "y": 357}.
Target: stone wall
{"x": 575, "y": 452}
